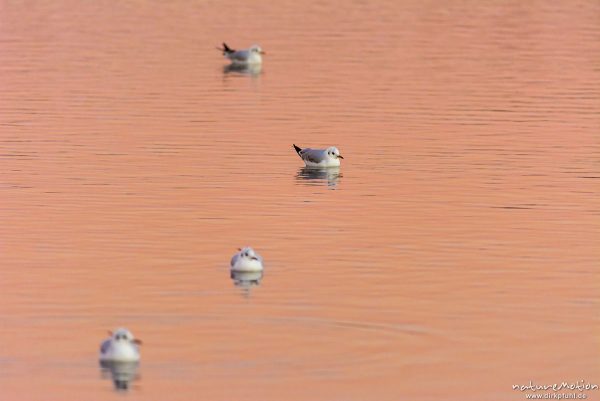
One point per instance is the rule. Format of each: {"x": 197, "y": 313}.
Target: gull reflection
{"x": 252, "y": 70}
{"x": 313, "y": 175}
{"x": 246, "y": 280}
{"x": 121, "y": 373}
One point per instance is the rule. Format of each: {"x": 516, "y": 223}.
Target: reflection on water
{"x": 121, "y": 373}
{"x": 251, "y": 70}
{"x": 313, "y": 175}
{"x": 246, "y": 280}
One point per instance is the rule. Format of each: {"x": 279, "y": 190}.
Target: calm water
{"x": 454, "y": 254}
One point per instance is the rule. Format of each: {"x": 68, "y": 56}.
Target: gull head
{"x": 333, "y": 153}
{"x": 125, "y": 336}
{"x": 256, "y": 49}
{"x": 248, "y": 253}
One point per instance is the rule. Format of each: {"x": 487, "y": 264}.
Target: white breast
{"x": 121, "y": 352}
{"x": 247, "y": 265}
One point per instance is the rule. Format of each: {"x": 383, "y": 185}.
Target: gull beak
{"x": 240, "y": 249}
{"x": 254, "y": 258}
{"x": 263, "y": 52}
{"x": 340, "y": 157}
{"x": 137, "y": 341}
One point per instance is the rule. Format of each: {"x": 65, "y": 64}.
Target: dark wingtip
{"x": 227, "y": 49}
{"x": 298, "y": 149}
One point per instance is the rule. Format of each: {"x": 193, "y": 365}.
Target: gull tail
{"x": 297, "y": 149}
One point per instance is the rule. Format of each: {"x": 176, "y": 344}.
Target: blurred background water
{"x": 454, "y": 253}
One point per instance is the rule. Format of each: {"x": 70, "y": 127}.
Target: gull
{"x": 120, "y": 347}
{"x": 251, "y": 56}
{"x": 246, "y": 260}
{"x": 329, "y": 157}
